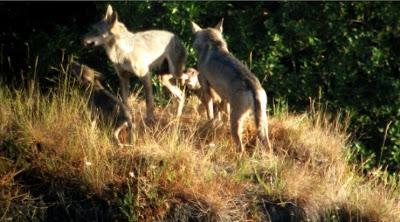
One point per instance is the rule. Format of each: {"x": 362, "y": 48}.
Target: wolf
{"x": 190, "y": 79}
{"x": 138, "y": 54}
{"x": 103, "y": 104}
{"x": 231, "y": 79}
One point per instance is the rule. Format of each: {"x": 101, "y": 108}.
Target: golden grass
{"x": 183, "y": 168}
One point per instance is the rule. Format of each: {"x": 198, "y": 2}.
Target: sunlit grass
{"x": 183, "y": 168}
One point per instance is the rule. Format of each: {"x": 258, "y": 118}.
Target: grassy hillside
{"x": 56, "y": 164}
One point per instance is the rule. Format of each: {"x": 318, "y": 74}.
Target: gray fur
{"x": 139, "y": 53}
{"x": 233, "y": 81}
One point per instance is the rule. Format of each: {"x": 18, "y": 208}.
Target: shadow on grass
{"x": 278, "y": 210}
{"x": 62, "y": 200}
{"x": 344, "y": 213}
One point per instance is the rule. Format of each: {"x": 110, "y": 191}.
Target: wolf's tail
{"x": 260, "y": 114}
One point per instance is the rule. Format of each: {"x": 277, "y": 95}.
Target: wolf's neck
{"x": 207, "y": 51}
{"x": 118, "y": 47}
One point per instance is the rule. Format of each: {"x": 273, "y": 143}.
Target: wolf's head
{"x": 85, "y": 75}
{"x": 102, "y": 32}
{"x": 190, "y": 79}
{"x": 208, "y": 37}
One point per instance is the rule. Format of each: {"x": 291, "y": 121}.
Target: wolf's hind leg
{"x": 117, "y": 130}
{"x": 146, "y": 81}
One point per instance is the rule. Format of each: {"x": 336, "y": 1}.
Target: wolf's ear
{"x": 195, "y": 27}
{"x": 219, "y": 25}
{"x": 111, "y": 16}
{"x": 109, "y": 12}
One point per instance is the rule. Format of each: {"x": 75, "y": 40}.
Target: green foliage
{"x": 343, "y": 54}
{"x": 128, "y": 205}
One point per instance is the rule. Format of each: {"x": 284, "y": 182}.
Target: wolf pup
{"x": 190, "y": 79}
{"x": 102, "y": 103}
{"x": 138, "y": 53}
{"x": 232, "y": 80}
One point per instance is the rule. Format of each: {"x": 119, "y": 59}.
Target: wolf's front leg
{"x": 146, "y": 81}
{"x": 124, "y": 84}
{"x": 206, "y": 96}
{"x": 166, "y": 81}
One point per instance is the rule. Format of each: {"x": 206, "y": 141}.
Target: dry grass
{"x": 181, "y": 169}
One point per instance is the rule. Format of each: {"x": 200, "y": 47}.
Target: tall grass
{"x": 179, "y": 169}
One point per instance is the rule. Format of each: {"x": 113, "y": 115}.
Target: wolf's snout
{"x": 88, "y": 43}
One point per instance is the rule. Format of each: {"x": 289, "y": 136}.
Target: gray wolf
{"x": 104, "y": 105}
{"x": 232, "y": 80}
{"x": 139, "y": 53}
{"x": 190, "y": 78}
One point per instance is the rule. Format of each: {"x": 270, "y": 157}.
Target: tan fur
{"x": 191, "y": 80}
{"x": 233, "y": 81}
{"x": 138, "y": 53}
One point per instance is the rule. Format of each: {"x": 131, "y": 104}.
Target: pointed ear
{"x": 111, "y": 16}
{"x": 219, "y": 25}
{"x": 195, "y": 27}
{"x": 109, "y": 12}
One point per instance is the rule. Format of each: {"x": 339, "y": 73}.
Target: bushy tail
{"x": 260, "y": 114}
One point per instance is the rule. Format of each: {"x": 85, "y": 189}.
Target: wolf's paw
{"x": 150, "y": 120}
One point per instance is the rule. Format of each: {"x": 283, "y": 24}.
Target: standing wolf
{"x": 103, "y": 104}
{"x": 232, "y": 80}
{"x": 139, "y": 53}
